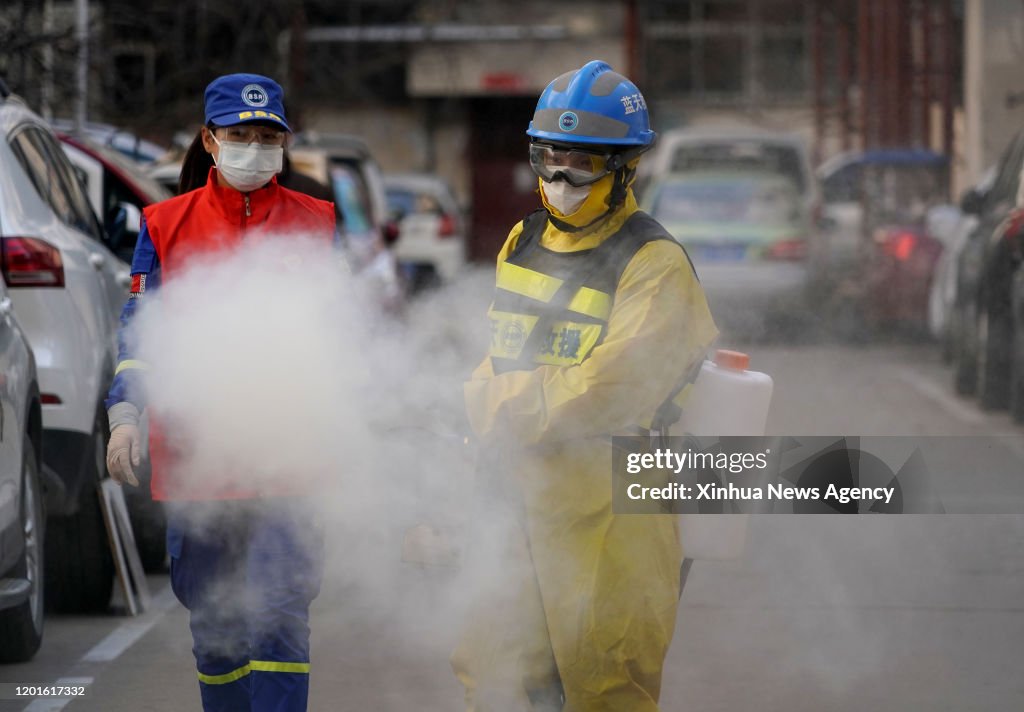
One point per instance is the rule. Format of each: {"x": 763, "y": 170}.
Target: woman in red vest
{"x": 246, "y": 562}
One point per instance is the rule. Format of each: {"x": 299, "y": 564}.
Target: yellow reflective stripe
{"x": 130, "y": 363}
{"x": 592, "y": 303}
{"x": 254, "y": 666}
{"x": 520, "y": 280}
{"x": 539, "y": 286}
{"x": 509, "y": 332}
{"x": 270, "y": 666}
{"x": 226, "y": 677}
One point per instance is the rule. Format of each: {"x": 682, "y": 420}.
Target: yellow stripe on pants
{"x": 253, "y": 666}
{"x": 131, "y": 363}
{"x": 271, "y": 666}
{"x": 226, "y": 677}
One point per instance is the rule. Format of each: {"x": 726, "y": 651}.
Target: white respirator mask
{"x": 247, "y": 167}
{"x": 563, "y": 197}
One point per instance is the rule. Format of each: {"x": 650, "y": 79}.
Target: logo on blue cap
{"x": 254, "y": 95}
{"x": 240, "y": 98}
{"x": 568, "y": 121}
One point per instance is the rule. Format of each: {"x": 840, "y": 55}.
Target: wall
{"x": 400, "y": 139}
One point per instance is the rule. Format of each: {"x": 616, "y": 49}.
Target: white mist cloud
{"x": 258, "y": 365}
{"x": 273, "y": 364}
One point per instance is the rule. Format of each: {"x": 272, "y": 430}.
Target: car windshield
{"x": 895, "y": 194}
{"x": 402, "y": 202}
{"x": 741, "y": 155}
{"x": 746, "y": 201}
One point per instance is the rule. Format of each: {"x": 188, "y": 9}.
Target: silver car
{"x": 22, "y": 523}
{"x": 67, "y": 289}
{"x": 431, "y": 229}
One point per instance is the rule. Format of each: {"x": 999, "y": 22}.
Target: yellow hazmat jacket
{"x": 590, "y": 597}
{"x": 659, "y": 326}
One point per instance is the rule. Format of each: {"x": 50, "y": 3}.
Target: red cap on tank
{"x": 736, "y": 360}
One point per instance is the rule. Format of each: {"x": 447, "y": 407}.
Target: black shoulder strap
{"x": 647, "y": 229}
{"x": 529, "y": 236}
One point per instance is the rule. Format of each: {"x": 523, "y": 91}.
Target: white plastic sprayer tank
{"x": 726, "y": 399}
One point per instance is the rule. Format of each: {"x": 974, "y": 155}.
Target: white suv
{"x": 67, "y": 289}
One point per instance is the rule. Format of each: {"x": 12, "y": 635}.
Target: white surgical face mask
{"x": 565, "y": 198}
{"x": 247, "y": 167}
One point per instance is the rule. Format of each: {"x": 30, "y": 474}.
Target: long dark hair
{"x": 196, "y": 165}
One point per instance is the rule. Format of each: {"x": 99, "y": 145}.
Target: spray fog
{"x": 275, "y": 363}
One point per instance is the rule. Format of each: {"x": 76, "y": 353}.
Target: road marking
{"x": 110, "y": 648}
{"x": 126, "y": 634}
{"x": 936, "y": 393}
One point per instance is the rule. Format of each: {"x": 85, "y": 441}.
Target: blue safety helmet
{"x": 592, "y": 105}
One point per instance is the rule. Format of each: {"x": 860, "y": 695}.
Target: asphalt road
{"x": 902, "y": 612}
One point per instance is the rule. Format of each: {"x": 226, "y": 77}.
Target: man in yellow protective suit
{"x": 597, "y": 320}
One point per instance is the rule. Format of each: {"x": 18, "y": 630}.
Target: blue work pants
{"x": 247, "y": 571}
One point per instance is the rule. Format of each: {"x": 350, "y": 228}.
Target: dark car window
{"x": 54, "y": 179}
{"x": 32, "y": 156}
{"x": 843, "y": 186}
{"x": 84, "y": 217}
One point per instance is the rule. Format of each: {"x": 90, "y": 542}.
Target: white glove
{"x": 123, "y": 451}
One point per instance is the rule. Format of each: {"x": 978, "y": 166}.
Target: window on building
{"x": 783, "y": 66}
{"x": 723, "y": 64}
{"x": 742, "y": 51}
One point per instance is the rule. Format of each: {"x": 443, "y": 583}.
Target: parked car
{"x": 67, "y": 288}
{"x": 346, "y": 165}
{"x": 125, "y": 142}
{"x": 118, "y": 190}
{"x": 22, "y": 520}
{"x": 432, "y": 237}
{"x": 744, "y": 150}
{"x": 166, "y": 173}
{"x": 872, "y": 259}
{"x": 982, "y": 335}
{"x": 1016, "y": 398}
{"x": 952, "y": 226}
{"x": 746, "y": 234}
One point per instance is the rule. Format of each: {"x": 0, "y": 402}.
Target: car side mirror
{"x": 971, "y": 202}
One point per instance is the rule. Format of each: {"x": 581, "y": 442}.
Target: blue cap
{"x": 244, "y": 98}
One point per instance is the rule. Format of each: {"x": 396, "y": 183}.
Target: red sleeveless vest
{"x": 204, "y": 221}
